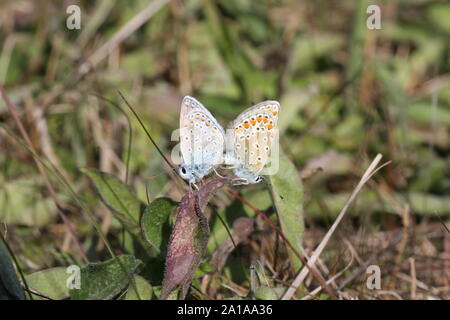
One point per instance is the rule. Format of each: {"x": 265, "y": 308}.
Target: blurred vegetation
{"x": 346, "y": 94}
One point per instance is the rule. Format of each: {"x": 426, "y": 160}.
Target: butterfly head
{"x": 258, "y": 179}
{"x": 254, "y": 179}
{"x": 186, "y": 173}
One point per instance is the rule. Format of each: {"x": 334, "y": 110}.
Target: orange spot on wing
{"x": 253, "y": 122}
{"x": 269, "y": 126}
{"x": 274, "y": 113}
{"x": 265, "y": 120}
{"x": 259, "y": 119}
{"x": 246, "y": 125}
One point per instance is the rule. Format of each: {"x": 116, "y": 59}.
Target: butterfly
{"x": 252, "y": 136}
{"x": 249, "y": 141}
{"x": 202, "y": 141}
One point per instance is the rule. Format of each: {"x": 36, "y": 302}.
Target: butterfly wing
{"x": 202, "y": 137}
{"x": 253, "y": 132}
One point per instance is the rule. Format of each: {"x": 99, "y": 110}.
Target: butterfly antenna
{"x": 146, "y": 131}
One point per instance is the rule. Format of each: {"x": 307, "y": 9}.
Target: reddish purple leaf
{"x": 189, "y": 239}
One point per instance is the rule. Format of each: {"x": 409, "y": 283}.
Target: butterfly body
{"x": 245, "y": 176}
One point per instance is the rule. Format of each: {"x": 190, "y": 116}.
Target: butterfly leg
{"x": 192, "y": 185}
{"x": 215, "y": 171}
{"x": 239, "y": 181}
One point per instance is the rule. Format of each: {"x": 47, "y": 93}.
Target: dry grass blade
{"x": 130, "y": 27}
{"x": 414, "y": 279}
{"x": 304, "y": 272}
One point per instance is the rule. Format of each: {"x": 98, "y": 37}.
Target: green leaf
{"x": 125, "y": 206}
{"x": 292, "y": 102}
{"x": 245, "y": 75}
{"x": 287, "y": 194}
{"x": 421, "y": 112}
{"x": 115, "y": 194}
{"x": 10, "y": 287}
{"x": 267, "y": 293}
{"x": 203, "y": 268}
{"x": 103, "y": 281}
{"x": 144, "y": 289}
{"x": 51, "y": 283}
{"x": 156, "y": 291}
{"x": 22, "y": 205}
{"x": 154, "y": 222}
{"x": 438, "y": 14}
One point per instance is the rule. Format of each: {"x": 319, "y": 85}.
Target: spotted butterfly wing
{"x": 201, "y": 140}
{"x": 253, "y": 133}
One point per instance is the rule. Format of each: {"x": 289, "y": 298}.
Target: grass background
{"x": 346, "y": 92}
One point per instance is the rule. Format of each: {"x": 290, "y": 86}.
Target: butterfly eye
{"x": 183, "y": 170}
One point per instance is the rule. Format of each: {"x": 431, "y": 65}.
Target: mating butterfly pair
{"x": 250, "y": 138}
